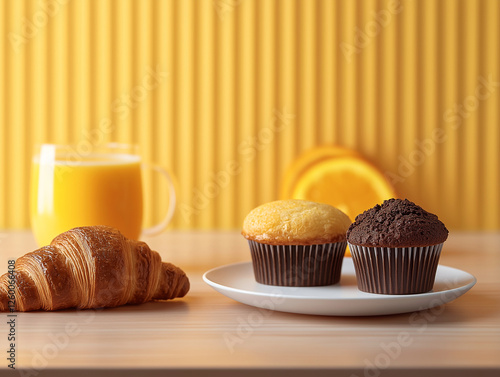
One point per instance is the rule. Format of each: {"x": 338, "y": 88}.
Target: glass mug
{"x": 99, "y": 187}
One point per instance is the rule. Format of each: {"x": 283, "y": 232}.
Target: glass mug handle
{"x": 162, "y": 225}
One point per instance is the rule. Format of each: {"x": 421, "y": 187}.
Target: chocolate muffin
{"x": 296, "y": 242}
{"x": 396, "y": 248}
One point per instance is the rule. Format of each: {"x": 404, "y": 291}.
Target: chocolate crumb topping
{"x": 396, "y": 223}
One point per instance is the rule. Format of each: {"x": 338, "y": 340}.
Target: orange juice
{"x": 101, "y": 189}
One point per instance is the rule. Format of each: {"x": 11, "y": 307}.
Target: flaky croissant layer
{"x": 90, "y": 267}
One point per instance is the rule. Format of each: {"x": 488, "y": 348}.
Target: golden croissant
{"x": 90, "y": 267}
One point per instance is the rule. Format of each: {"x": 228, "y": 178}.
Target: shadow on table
{"x": 176, "y": 306}
{"x": 152, "y": 306}
{"x": 470, "y": 307}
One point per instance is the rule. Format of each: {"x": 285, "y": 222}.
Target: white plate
{"x": 237, "y": 281}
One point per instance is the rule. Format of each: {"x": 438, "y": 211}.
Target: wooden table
{"x": 190, "y": 335}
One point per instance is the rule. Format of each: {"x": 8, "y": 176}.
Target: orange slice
{"x": 346, "y": 181}
{"x": 349, "y": 183}
{"x": 305, "y": 161}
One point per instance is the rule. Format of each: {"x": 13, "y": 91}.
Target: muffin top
{"x": 295, "y": 222}
{"x": 397, "y": 223}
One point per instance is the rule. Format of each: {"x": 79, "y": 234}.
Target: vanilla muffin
{"x": 296, "y": 242}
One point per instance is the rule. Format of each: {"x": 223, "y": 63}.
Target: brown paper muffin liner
{"x": 297, "y": 265}
{"x": 395, "y": 271}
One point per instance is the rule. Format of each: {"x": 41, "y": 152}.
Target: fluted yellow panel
{"x": 227, "y": 93}
{"x": 3, "y": 128}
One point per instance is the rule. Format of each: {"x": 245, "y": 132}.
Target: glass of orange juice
{"x": 102, "y": 185}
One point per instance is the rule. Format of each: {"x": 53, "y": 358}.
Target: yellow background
{"x": 223, "y": 69}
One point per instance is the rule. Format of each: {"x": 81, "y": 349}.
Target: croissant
{"x": 90, "y": 267}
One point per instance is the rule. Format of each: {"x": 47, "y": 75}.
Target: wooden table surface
{"x": 208, "y": 334}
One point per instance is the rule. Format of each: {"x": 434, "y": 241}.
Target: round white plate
{"x": 237, "y": 281}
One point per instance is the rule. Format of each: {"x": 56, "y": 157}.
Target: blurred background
{"x": 226, "y": 94}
